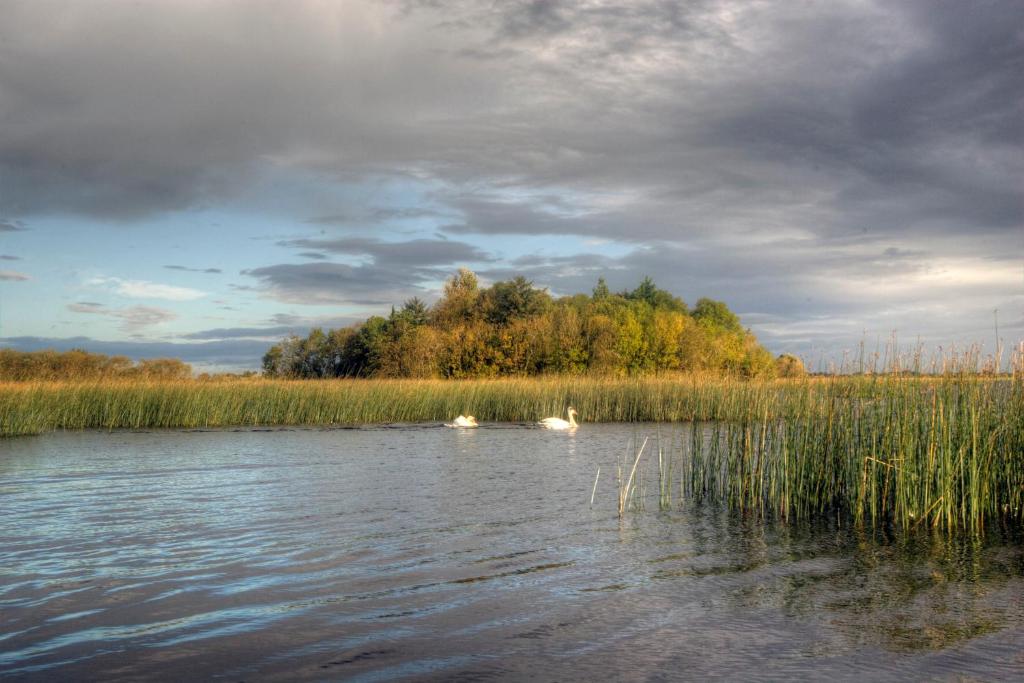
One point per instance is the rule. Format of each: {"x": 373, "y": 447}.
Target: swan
{"x": 463, "y": 421}
{"x": 559, "y": 423}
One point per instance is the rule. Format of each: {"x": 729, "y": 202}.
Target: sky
{"x": 198, "y": 179}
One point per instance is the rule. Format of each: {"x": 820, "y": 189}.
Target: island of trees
{"x": 515, "y": 329}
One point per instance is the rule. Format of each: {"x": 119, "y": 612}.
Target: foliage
{"x": 788, "y": 365}
{"x": 515, "y": 329}
{"x": 21, "y": 366}
{"x": 715, "y": 315}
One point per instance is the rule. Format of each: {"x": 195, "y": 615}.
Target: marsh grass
{"x": 939, "y": 451}
{"x": 36, "y": 407}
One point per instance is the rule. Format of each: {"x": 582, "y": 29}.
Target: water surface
{"x": 421, "y": 552}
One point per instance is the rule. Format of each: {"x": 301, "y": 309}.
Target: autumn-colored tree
{"x": 788, "y": 365}
{"x": 515, "y": 328}
{"x": 460, "y": 301}
{"x": 567, "y": 351}
{"x": 78, "y": 364}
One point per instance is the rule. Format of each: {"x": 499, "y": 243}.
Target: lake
{"x": 420, "y": 552}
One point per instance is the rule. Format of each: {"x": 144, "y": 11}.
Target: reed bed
{"x": 36, "y": 407}
{"x": 944, "y": 452}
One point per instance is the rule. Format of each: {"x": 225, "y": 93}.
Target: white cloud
{"x": 13, "y": 276}
{"x": 133, "y": 319}
{"x": 142, "y": 289}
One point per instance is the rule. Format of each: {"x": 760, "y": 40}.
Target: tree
{"x": 632, "y": 344}
{"x": 417, "y": 352}
{"x": 788, "y": 365}
{"x": 367, "y": 350}
{"x": 757, "y": 360}
{"x": 667, "y": 331}
{"x": 716, "y": 314}
{"x": 657, "y": 298}
{"x": 272, "y": 361}
{"x": 601, "y": 338}
{"x": 515, "y": 328}
{"x": 459, "y": 303}
{"x": 414, "y": 312}
{"x": 568, "y": 348}
{"x": 314, "y": 355}
{"x": 164, "y": 369}
{"x": 284, "y": 359}
{"x": 516, "y": 298}
{"x": 78, "y": 364}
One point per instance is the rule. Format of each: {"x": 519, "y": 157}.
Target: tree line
{"x": 515, "y": 329}
{"x": 20, "y": 366}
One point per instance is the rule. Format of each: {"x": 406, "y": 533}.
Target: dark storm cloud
{"x": 194, "y": 270}
{"x": 705, "y": 116}
{"x": 768, "y": 153}
{"x": 8, "y": 257}
{"x": 339, "y": 283}
{"x": 395, "y": 270}
{"x": 11, "y": 226}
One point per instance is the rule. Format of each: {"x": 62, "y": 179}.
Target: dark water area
{"x": 422, "y": 552}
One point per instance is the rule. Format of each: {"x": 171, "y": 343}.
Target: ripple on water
{"x": 418, "y": 552}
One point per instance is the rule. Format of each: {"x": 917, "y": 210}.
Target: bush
{"x": 788, "y": 365}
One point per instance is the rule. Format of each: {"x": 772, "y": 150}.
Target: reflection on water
{"x": 424, "y": 552}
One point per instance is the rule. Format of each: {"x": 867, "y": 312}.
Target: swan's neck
{"x": 572, "y": 420}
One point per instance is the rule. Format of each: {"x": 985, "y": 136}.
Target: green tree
{"x": 656, "y": 298}
{"x": 716, "y": 314}
{"x": 415, "y": 312}
{"x": 367, "y": 350}
{"x": 460, "y": 300}
{"x": 516, "y": 298}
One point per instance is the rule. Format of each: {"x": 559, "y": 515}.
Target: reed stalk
{"x": 942, "y": 453}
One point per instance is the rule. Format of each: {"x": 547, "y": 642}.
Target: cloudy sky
{"x": 195, "y": 178}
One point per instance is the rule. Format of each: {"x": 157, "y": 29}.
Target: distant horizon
{"x": 197, "y": 180}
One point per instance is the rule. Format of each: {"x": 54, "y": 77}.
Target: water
{"x": 430, "y": 553}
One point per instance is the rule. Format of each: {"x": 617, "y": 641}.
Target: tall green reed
{"x": 941, "y": 452}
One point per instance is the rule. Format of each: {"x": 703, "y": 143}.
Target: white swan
{"x": 559, "y": 423}
{"x": 463, "y": 421}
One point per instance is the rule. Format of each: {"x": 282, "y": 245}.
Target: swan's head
{"x": 572, "y": 411}
{"x": 471, "y": 420}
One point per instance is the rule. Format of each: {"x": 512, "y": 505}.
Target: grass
{"x": 36, "y": 407}
{"x": 944, "y": 451}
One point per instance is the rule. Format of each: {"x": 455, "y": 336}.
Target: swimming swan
{"x": 463, "y": 421}
{"x": 559, "y": 423}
